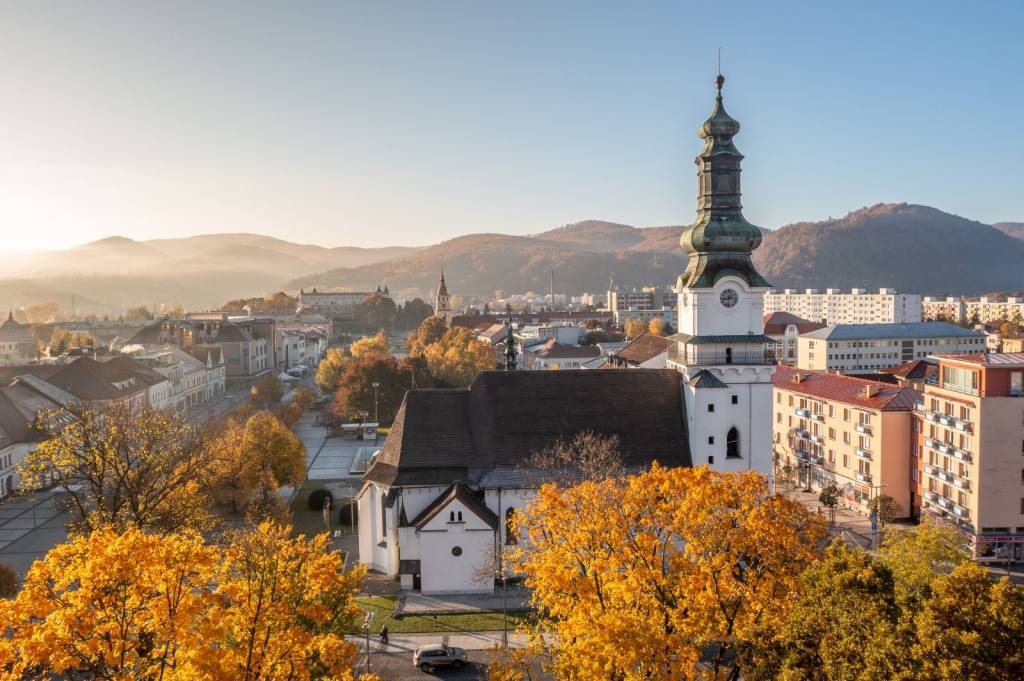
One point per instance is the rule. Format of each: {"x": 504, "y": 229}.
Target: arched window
{"x": 451, "y": 516}
{"x": 728, "y": 355}
{"x": 460, "y": 516}
{"x": 511, "y": 531}
{"x": 732, "y": 444}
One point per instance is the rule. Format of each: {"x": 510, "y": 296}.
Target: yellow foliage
{"x": 138, "y": 606}
{"x": 634, "y": 328}
{"x": 121, "y": 466}
{"x": 657, "y": 326}
{"x": 635, "y": 577}
{"x": 375, "y": 347}
{"x": 458, "y": 357}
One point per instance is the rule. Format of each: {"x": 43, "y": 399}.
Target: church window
{"x": 711, "y": 439}
{"x": 383, "y": 516}
{"x": 460, "y": 516}
{"x": 511, "y": 533}
{"x": 456, "y": 551}
{"x": 451, "y": 516}
{"x": 735, "y": 399}
{"x": 732, "y": 444}
{"x": 711, "y": 407}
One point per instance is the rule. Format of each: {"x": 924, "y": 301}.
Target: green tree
{"x": 137, "y": 313}
{"x": 970, "y": 628}
{"x": 916, "y": 555}
{"x": 886, "y": 507}
{"x": 412, "y": 314}
{"x": 376, "y": 312}
{"x": 267, "y": 391}
{"x": 844, "y": 625}
{"x": 829, "y": 498}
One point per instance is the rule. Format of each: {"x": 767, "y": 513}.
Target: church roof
{"x": 706, "y": 379}
{"x": 738, "y": 339}
{"x": 440, "y": 436}
{"x": 465, "y": 495}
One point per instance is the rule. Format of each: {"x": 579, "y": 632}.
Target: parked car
{"x": 438, "y": 655}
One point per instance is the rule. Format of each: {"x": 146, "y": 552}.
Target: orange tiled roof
{"x": 846, "y": 389}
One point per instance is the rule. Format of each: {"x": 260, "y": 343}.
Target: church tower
{"x": 721, "y": 349}
{"x": 442, "y": 302}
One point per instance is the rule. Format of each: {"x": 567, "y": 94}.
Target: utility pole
{"x": 552, "y": 308}
{"x": 366, "y": 626}
{"x": 376, "y": 413}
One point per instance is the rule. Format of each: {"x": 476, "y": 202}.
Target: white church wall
{"x": 441, "y": 571}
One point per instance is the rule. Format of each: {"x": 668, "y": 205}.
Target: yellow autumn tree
{"x": 634, "y": 328}
{"x": 235, "y": 474}
{"x": 282, "y": 609}
{"x": 458, "y": 357}
{"x": 637, "y": 577}
{"x": 136, "y": 606}
{"x": 123, "y": 466}
{"x": 657, "y": 326}
{"x": 329, "y": 371}
{"x": 109, "y": 606}
{"x": 273, "y": 447}
{"x": 371, "y": 347}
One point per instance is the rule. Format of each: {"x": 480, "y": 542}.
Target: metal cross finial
{"x": 719, "y": 79}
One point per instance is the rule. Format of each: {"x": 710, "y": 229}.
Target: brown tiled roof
{"x": 991, "y": 359}
{"x": 846, "y": 389}
{"x": 775, "y": 323}
{"x": 87, "y": 379}
{"x": 464, "y": 495}
{"x": 555, "y": 350}
{"x": 440, "y": 436}
{"x": 644, "y": 348}
{"x": 917, "y": 369}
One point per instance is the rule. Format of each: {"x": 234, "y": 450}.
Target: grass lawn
{"x": 383, "y": 606}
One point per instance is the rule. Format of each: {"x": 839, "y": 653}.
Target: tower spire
{"x": 720, "y": 240}
{"x": 510, "y": 341}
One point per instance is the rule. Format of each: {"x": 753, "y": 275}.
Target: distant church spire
{"x": 721, "y": 239}
{"x": 442, "y": 302}
{"x": 510, "y": 341}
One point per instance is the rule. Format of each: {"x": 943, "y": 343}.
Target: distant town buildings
{"x": 551, "y": 354}
{"x": 784, "y": 328}
{"x": 340, "y": 304}
{"x": 863, "y": 348}
{"x": 970, "y": 451}
{"x": 982, "y": 310}
{"x": 644, "y": 304}
{"x": 16, "y": 341}
{"x": 858, "y": 306}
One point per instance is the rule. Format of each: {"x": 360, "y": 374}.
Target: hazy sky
{"x": 386, "y": 122}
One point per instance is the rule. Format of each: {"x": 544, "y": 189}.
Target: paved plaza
{"x": 29, "y": 527}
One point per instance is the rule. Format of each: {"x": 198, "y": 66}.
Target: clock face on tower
{"x": 729, "y": 297}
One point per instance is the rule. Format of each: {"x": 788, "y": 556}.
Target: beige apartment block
{"x": 851, "y": 431}
{"x": 971, "y": 451}
{"x": 981, "y": 310}
{"x": 857, "y": 306}
{"x": 865, "y": 348}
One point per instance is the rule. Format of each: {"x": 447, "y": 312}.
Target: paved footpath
{"x": 469, "y": 640}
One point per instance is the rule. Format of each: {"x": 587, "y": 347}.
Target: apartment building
{"x": 970, "y": 447}
{"x": 864, "y": 348}
{"x": 982, "y": 310}
{"x": 644, "y": 304}
{"x": 851, "y": 431}
{"x": 835, "y": 306}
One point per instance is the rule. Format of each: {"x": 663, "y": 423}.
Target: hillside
{"x": 904, "y": 246}
{"x": 909, "y": 247}
{"x": 196, "y": 272}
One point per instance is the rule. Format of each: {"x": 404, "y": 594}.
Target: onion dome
{"x": 719, "y": 123}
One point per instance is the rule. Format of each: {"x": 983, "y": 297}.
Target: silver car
{"x": 438, "y": 655}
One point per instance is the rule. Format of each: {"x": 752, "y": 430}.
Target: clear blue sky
{"x": 379, "y": 122}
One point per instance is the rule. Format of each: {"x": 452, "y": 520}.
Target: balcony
{"x": 862, "y": 453}
{"x": 963, "y": 484}
{"x": 863, "y": 477}
{"x": 817, "y": 416}
{"x": 816, "y": 438}
{"x": 802, "y": 434}
{"x": 802, "y": 413}
{"x": 863, "y": 428}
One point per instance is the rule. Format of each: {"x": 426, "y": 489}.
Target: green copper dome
{"x": 721, "y": 239}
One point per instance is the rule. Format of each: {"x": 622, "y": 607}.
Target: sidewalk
{"x": 402, "y": 643}
{"x": 420, "y": 604}
{"x": 853, "y": 527}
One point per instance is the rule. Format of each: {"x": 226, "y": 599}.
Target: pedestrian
{"x": 384, "y": 635}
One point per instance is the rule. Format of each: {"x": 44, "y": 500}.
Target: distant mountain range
{"x": 909, "y": 247}
{"x": 196, "y": 271}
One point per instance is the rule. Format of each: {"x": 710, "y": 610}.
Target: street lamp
{"x": 366, "y": 626}
{"x": 376, "y": 415}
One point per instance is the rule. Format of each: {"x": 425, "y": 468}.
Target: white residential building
{"x": 983, "y": 310}
{"x": 858, "y": 306}
{"x": 863, "y": 348}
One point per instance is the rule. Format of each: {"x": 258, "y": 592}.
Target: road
{"x": 398, "y": 667}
